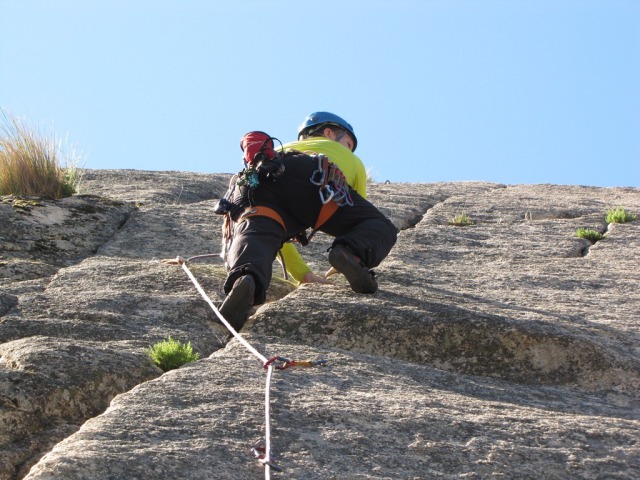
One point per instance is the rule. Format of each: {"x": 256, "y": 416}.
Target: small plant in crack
{"x": 592, "y": 235}
{"x": 461, "y": 220}
{"x": 170, "y": 354}
{"x": 619, "y": 215}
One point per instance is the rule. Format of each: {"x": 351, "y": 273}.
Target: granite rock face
{"x": 505, "y": 348}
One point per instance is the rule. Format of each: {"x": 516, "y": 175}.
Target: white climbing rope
{"x": 204, "y": 295}
{"x": 267, "y": 455}
{"x": 267, "y": 424}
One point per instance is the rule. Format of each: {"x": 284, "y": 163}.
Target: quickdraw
{"x": 281, "y": 363}
{"x": 260, "y": 452}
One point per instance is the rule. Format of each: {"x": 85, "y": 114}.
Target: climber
{"x": 277, "y": 200}
{"x": 319, "y": 133}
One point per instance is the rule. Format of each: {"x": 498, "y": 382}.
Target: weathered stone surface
{"x": 509, "y": 297}
{"x": 164, "y": 188}
{"x": 508, "y": 348}
{"x": 40, "y": 236}
{"x": 359, "y": 417}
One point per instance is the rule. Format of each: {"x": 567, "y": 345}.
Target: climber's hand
{"x": 311, "y": 277}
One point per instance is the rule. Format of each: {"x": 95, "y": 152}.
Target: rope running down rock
{"x": 268, "y": 364}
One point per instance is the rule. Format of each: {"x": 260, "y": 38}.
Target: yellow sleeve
{"x": 293, "y": 262}
{"x": 360, "y": 184}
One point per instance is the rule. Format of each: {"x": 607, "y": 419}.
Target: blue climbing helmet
{"x": 317, "y": 119}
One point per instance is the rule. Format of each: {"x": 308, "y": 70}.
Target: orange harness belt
{"x": 326, "y": 212}
{"x": 260, "y": 211}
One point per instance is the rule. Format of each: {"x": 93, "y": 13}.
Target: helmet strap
{"x": 340, "y": 136}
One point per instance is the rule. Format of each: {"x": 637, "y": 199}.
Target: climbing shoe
{"x": 239, "y": 301}
{"x": 357, "y": 274}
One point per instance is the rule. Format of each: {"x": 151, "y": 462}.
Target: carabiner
{"x": 326, "y": 198}
{"x": 260, "y": 452}
{"x": 272, "y": 361}
{"x": 315, "y": 173}
{"x": 320, "y": 171}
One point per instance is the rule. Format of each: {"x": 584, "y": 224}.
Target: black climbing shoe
{"x": 359, "y": 277}
{"x": 239, "y": 301}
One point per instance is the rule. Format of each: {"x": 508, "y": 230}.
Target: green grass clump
{"x": 170, "y": 354}
{"x": 461, "y": 220}
{"x": 34, "y": 164}
{"x": 588, "y": 234}
{"x": 619, "y": 215}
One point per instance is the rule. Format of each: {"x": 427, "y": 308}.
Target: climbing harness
{"x": 224, "y": 208}
{"x": 256, "y": 211}
{"x": 262, "y": 211}
{"x": 262, "y": 450}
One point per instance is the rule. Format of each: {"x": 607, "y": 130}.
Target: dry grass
{"x": 34, "y": 164}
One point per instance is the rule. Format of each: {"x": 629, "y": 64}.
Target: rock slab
{"x": 505, "y": 348}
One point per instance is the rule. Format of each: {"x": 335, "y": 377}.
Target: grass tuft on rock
{"x": 619, "y": 215}
{"x": 461, "y": 220}
{"x": 588, "y": 234}
{"x": 33, "y": 164}
{"x": 170, "y": 354}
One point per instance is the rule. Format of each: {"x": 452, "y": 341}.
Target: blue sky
{"x": 510, "y": 91}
